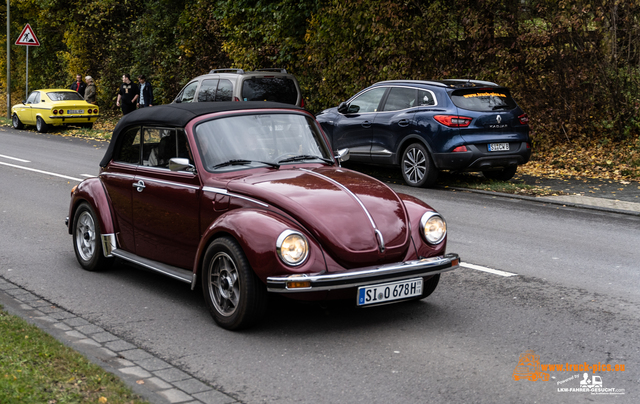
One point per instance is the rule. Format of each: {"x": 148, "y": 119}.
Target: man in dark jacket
{"x": 146, "y": 93}
{"x": 128, "y": 95}
{"x": 79, "y": 85}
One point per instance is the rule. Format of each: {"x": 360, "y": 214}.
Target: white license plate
{"x": 498, "y": 146}
{"x": 75, "y": 111}
{"x": 386, "y": 292}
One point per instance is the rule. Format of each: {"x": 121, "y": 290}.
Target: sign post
{"x": 27, "y": 38}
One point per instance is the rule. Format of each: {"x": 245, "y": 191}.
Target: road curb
{"x": 544, "y": 200}
{"x": 150, "y": 377}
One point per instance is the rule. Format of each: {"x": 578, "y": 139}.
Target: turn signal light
{"x": 453, "y": 121}
{"x": 298, "y": 285}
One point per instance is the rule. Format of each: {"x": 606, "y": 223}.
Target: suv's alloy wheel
{"x": 417, "y": 166}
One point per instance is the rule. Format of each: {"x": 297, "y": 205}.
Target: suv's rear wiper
{"x": 500, "y": 107}
{"x": 239, "y": 162}
{"x": 305, "y": 157}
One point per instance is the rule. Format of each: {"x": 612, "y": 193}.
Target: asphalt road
{"x": 574, "y": 299}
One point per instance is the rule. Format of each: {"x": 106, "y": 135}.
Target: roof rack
{"x": 239, "y": 71}
{"x": 272, "y": 69}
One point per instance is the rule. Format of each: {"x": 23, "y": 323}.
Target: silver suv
{"x": 238, "y": 85}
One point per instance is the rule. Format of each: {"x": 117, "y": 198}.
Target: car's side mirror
{"x": 181, "y": 164}
{"x": 343, "y": 155}
{"x": 343, "y": 107}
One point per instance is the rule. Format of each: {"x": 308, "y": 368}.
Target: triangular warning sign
{"x": 27, "y": 37}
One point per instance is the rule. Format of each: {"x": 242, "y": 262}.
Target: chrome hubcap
{"x": 414, "y": 165}
{"x": 86, "y": 236}
{"x": 224, "y": 284}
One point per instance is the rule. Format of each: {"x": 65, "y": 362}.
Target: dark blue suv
{"x": 427, "y": 126}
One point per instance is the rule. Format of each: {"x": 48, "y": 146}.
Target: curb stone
{"x": 550, "y": 200}
{"x": 163, "y": 383}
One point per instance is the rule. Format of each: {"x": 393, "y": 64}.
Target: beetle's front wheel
{"x": 430, "y": 286}
{"x": 236, "y": 298}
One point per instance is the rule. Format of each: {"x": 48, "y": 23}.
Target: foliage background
{"x": 573, "y": 65}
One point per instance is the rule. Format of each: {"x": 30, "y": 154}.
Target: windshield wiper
{"x": 240, "y": 162}
{"x": 500, "y": 107}
{"x": 305, "y": 157}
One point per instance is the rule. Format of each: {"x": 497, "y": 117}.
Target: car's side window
{"x": 207, "y": 92}
{"x": 37, "y": 100}
{"x": 161, "y": 145}
{"x": 368, "y": 101}
{"x": 400, "y": 98}
{"x": 225, "y": 90}
{"x": 128, "y": 149}
{"x": 189, "y": 92}
{"x": 426, "y": 98}
{"x": 32, "y": 97}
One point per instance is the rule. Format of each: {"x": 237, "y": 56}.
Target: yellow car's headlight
{"x": 434, "y": 228}
{"x": 292, "y": 247}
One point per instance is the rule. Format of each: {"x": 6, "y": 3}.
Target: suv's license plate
{"x": 386, "y": 292}
{"x": 498, "y": 146}
{"x": 75, "y": 111}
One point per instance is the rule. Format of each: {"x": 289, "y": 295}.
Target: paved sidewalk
{"x": 148, "y": 376}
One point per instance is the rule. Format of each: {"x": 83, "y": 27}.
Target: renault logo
{"x": 498, "y": 119}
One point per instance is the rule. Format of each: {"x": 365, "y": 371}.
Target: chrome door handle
{"x": 139, "y": 186}
{"x": 403, "y": 123}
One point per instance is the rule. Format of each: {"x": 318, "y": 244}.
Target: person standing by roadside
{"x": 78, "y": 85}
{"x": 90, "y": 91}
{"x": 146, "y": 92}
{"x": 128, "y": 95}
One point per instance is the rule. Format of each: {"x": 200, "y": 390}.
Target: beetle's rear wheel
{"x": 86, "y": 240}
{"x": 236, "y": 298}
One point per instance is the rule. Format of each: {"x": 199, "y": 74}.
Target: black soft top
{"x": 179, "y": 115}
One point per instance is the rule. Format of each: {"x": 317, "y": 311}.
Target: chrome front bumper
{"x": 363, "y": 276}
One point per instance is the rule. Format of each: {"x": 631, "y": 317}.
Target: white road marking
{"x": 485, "y": 269}
{"x": 88, "y": 175}
{"x": 41, "y": 172}
{"x": 14, "y": 158}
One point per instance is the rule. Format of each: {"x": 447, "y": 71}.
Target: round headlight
{"x": 433, "y": 227}
{"x": 292, "y": 247}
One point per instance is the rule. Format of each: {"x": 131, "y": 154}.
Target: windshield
{"x": 237, "y": 142}
{"x": 65, "y": 96}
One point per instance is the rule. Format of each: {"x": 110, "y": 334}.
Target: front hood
{"x": 341, "y": 208}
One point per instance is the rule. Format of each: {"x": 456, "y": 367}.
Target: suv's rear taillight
{"x": 236, "y": 99}
{"x": 453, "y": 121}
{"x": 524, "y": 119}
{"x": 302, "y": 103}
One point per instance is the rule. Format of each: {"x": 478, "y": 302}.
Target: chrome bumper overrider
{"x": 364, "y": 276}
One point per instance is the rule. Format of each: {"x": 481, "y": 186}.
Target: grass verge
{"x": 36, "y": 368}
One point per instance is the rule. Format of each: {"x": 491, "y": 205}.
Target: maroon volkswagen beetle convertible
{"x": 247, "y": 198}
